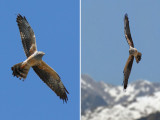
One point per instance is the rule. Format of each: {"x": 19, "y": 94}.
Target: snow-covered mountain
{"x": 107, "y": 102}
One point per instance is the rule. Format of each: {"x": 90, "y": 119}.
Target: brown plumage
{"x": 34, "y": 60}
{"x": 127, "y": 31}
{"x": 52, "y": 79}
{"x": 138, "y": 57}
{"x": 127, "y": 70}
{"x": 132, "y": 51}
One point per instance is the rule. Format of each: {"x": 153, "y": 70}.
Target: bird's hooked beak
{"x": 41, "y": 53}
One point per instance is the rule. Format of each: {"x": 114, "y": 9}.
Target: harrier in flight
{"x": 34, "y": 60}
{"x": 133, "y": 52}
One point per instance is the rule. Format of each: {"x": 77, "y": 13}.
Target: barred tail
{"x": 138, "y": 57}
{"x": 19, "y": 71}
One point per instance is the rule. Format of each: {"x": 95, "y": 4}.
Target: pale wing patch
{"x": 22, "y": 35}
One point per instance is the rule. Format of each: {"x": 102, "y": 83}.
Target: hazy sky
{"x": 56, "y": 26}
{"x": 104, "y": 47}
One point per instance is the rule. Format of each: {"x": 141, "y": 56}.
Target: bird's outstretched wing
{"x": 52, "y": 79}
{"x": 127, "y": 70}
{"x": 27, "y": 35}
{"x": 127, "y": 31}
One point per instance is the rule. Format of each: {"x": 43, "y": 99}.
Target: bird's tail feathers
{"x": 138, "y": 57}
{"x": 20, "y": 71}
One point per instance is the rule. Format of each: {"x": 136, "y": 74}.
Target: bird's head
{"x": 39, "y": 55}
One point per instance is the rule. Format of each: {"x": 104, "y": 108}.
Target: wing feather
{"x": 27, "y": 35}
{"x": 127, "y": 31}
{"x": 52, "y": 79}
{"x": 127, "y": 70}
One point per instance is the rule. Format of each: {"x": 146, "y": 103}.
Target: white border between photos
{"x": 80, "y": 54}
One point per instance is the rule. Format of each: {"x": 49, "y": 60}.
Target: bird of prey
{"x": 133, "y": 52}
{"x": 34, "y": 60}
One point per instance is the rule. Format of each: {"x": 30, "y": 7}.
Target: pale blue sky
{"x": 56, "y": 27}
{"x": 104, "y": 47}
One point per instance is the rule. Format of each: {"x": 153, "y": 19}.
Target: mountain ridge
{"x": 96, "y": 96}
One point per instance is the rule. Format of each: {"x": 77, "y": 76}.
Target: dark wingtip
{"x": 20, "y": 18}
{"x": 66, "y": 91}
{"x": 65, "y": 100}
{"x": 126, "y": 15}
{"x": 125, "y": 87}
{"x": 64, "y": 97}
{"x": 19, "y": 15}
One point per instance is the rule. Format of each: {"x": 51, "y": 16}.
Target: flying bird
{"x": 34, "y": 60}
{"x": 133, "y": 52}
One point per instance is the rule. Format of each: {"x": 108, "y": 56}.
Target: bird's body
{"x": 34, "y": 60}
{"x": 133, "y": 52}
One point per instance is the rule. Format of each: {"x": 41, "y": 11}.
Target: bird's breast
{"x": 132, "y": 51}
